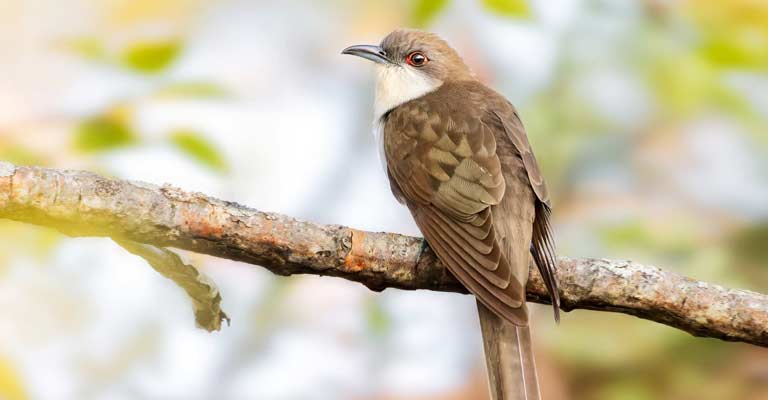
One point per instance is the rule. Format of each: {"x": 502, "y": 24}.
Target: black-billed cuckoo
{"x": 458, "y": 157}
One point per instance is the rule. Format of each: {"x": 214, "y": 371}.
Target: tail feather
{"x": 543, "y": 251}
{"x": 509, "y": 358}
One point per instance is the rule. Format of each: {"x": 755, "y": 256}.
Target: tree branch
{"x": 85, "y": 204}
{"x": 205, "y": 296}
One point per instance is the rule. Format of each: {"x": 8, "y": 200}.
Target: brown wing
{"x": 443, "y": 163}
{"x": 542, "y": 244}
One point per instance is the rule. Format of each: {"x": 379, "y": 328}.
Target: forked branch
{"x": 85, "y": 204}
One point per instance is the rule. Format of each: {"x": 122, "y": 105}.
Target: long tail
{"x": 508, "y": 357}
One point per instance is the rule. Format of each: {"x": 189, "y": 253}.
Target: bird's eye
{"x": 416, "y": 59}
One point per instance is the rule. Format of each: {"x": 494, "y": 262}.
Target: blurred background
{"x": 649, "y": 119}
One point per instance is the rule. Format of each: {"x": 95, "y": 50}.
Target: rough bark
{"x": 85, "y": 204}
{"x": 204, "y": 294}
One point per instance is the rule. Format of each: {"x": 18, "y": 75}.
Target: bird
{"x": 458, "y": 157}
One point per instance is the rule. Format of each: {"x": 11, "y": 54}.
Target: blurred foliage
{"x": 377, "y": 319}
{"x": 129, "y": 12}
{"x": 193, "y": 90}
{"x": 103, "y": 132}
{"x": 151, "y": 57}
{"x": 687, "y": 67}
{"x": 113, "y": 130}
{"x": 21, "y": 155}
{"x": 30, "y": 241}
{"x": 750, "y": 246}
{"x": 674, "y": 239}
{"x": 559, "y": 120}
{"x": 683, "y": 82}
{"x": 87, "y": 47}
{"x": 510, "y": 8}
{"x": 424, "y": 11}
{"x": 11, "y": 387}
{"x": 732, "y": 34}
{"x": 626, "y": 388}
{"x": 748, "y": 254}
{"x": 687, "y": 84}
{"x": 122, "y": 359}
{"x": 682, "y": 53}
{"x": 194, "y": 145}
{"x": 612, "y": 356}
{"x": 143, "y": 56}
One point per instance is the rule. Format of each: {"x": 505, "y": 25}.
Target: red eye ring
{"x": 416, "y": 59}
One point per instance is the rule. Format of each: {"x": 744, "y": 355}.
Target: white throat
{"x": 396, "y": 85}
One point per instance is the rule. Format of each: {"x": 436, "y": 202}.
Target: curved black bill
{"x": 369, "y": 52}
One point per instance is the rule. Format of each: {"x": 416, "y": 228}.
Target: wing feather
{"x": 542, "y": 243}
{"x": 444, "y": 165}
{"x": 451, "y": 177}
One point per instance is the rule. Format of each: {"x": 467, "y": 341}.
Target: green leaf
{"x": 194, "y": 90}
{"x": 508, "y": 8}
{"x": 151, "y": 57}
{"x": 424, "y": 11}
{"x": 103, "y": 133}
{"x": 198, "y": 148}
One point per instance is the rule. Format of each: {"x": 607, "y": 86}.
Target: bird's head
{"x": 410, "y": 63}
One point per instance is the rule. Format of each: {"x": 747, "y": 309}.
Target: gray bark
{"x": 85, "y": 204}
